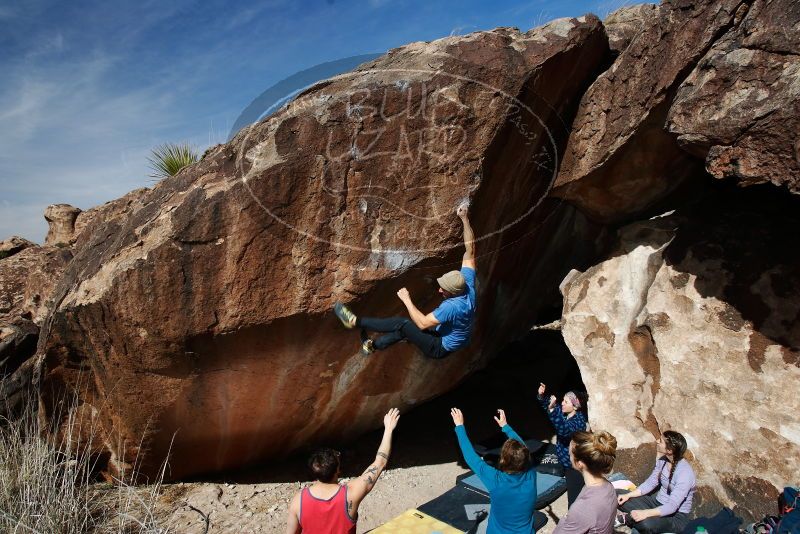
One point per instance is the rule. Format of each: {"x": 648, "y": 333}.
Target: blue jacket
{"x": 565, "y": 427}
{"x": 513, "y": 497}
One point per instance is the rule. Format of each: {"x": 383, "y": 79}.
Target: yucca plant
{"x": 169, "y": 158}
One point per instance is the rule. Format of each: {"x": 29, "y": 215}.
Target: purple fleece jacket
{"x": 678, "y": 497}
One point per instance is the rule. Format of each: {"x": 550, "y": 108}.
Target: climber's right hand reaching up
{"x": 469, "y": 237}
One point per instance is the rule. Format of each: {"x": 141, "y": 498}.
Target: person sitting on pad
{"x": 439, "y": 333}
{"x": 512, "y": 487}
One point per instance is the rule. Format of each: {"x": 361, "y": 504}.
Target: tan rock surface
{"x": 692, "y": 325}
{"x": 12, "y": 245}
{"x": 27, "y": 280}
{"x": 115, "y": 209}
{"x": 201, "y": 319}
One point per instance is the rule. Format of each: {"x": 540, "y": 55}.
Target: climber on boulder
{"x": 439, "y": 333}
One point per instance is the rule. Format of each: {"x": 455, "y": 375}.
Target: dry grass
{"x": 50, "y": 488}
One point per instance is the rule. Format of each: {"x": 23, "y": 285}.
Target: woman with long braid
{"x": 669, "y": 510}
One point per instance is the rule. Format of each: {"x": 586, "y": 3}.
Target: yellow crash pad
{"x": 415, "y": 522}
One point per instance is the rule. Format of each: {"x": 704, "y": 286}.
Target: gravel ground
{"x": 261, "y": 508}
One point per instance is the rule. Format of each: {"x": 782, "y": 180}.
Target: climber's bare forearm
{"x": 422, "y": 321}
{"x": 469, "y": 244}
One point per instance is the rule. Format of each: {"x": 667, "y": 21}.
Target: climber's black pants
{"x": 399, "y": 328}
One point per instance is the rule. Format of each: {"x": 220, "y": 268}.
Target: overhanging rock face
{"x": 739, "y": 109}
{"x": 620, "y": 160}
{"x": 199, "y": 325}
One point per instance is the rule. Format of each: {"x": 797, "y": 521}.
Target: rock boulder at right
{"x": 691, "y": 324}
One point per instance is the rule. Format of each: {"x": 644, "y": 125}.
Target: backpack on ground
{"x": 789, "y": 507}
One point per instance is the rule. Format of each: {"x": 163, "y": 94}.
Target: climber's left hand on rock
{"x": 403, "y": 294}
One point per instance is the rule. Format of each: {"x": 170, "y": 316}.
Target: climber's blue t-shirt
{"x": 455, "y": 315}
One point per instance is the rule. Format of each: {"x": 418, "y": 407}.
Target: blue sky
{"x": 88, "y": 88}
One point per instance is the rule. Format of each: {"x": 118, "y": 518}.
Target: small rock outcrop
{"x": 61, "y": 218}
{"x": 27, "y": 280}
{"x": 12, "y": 245}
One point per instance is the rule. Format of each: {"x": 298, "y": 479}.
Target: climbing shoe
{"x": 347, "y": 317}
{"x": 367, "y": 348}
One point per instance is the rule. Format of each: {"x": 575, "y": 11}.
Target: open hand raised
{"x": 501, "y": 418}
{"x": 458, "y": 417}
{"x": 391, "y": 418}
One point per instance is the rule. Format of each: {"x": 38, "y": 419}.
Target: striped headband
{"x": 571, "y": 397}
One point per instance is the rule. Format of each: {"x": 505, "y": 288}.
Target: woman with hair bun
{"x": 669, "y": 510}
{"x": 592, "y": 454}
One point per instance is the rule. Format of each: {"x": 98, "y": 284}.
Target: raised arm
{"x": 469, "y": 238}
{"x": 358, "y": 488}
{"x": 484, "y": 471}
{"x": 506, "y": 428}
{"x": 547, "y": 404}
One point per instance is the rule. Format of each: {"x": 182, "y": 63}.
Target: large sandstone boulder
{"x": 61, "y": 219}
{"x": 198, "y": 324}
{"x": 692, "y": 324}
{"x": 739, "y": 109}
{"x": 620, "y": 160}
